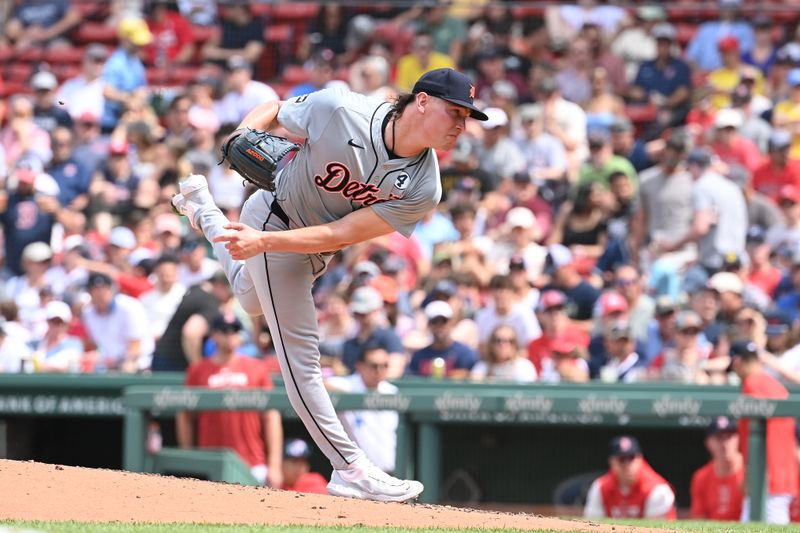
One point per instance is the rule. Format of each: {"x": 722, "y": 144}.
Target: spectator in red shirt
{"x": 297, "y": 474}
{"x": 717, "y": 487}
{"x": 557, "y": 331}
{"x": 729, "y": 144}
{"x": 256, "y": 436}
{"x": 173, "y": 39}
{"x": 779, "y": 170}
{"x": 782, "y": 469}
{"x": 631, "y": 489}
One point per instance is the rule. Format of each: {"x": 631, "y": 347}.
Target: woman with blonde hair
{"x": 503, "y": 360}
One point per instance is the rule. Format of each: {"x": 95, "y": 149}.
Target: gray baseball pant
{"x": 278, "y": 285}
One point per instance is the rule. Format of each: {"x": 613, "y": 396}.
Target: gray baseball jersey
{"x": 344, "y": 164}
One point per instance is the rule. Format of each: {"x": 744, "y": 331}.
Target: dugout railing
{"x": 427, "y": 407}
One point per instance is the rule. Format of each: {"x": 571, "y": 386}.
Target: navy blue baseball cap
{"x": 624, "y": 446}
{"x": 450, "y": 85}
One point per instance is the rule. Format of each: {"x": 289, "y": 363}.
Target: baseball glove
{"x": 256, "y": 154}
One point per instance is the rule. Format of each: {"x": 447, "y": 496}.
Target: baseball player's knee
{"x": 249, "y": 302}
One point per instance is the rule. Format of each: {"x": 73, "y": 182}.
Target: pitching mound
{"x": 36, "y": 491}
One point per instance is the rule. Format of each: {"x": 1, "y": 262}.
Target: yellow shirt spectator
{"x": 420, "y": 60}
{"x": 723, "y": 81}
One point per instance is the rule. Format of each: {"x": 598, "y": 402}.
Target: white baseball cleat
{"x": 366, "y": 481}
{"x": 194, "y": 194}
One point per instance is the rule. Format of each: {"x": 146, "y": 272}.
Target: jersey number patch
{"x": 401, "y": 182}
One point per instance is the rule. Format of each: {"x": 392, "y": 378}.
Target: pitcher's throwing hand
{"x": 242, "y": 241}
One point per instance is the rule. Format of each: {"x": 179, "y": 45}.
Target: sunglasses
{"x": 377, "y": 366}
{"x": 229, "y": 329}
{"x": 689, "y": 331}
{"x": 626, "y": 282}
{"x": 504, "y": 340}
{"x": 438, "y": 321}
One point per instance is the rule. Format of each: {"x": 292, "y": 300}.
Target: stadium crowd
{"x": 630, "y": 210}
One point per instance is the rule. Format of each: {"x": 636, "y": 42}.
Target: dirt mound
{"x": 37, "y": 491}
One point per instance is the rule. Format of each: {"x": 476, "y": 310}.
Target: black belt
{"x": 278, "y": 211}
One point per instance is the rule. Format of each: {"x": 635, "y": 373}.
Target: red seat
{"x": 294, "y": 75}
{"x": 294, "y": 11}
{"x": 61, "y": 55}
{"x": 19, "y": 72}
{"x": 278, "y": 33}
{"x": 93, "y": 32}
{"x": 65, "y": 71}
{"x": 10, "y": 88}
{"x": 184, "y": 75}
{"x": 30, "y": 55}
{"x": 6, "y": 53}
{"x": 202, "y": 34}
{"x": 685, "y": 32}
{"x": 157, "y": 76}
{"x": 521, "y": 12}
{"x": 640, "y": 114}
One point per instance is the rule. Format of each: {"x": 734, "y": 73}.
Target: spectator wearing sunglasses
{"x": 375, "y": 432}
{"x": 503, "y": 359}
{"x": 458, "y": 358}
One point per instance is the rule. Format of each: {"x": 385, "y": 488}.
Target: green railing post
{"x": 757, "y": 469}
{"x": 429, "y": 459}
{"x": 133, "y": 443}
{"x": 404, "y": 460}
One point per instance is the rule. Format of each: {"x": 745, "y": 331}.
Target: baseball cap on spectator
{"x": 562, "y": 345}
{"x": 122, "y": 237}
{"x": 467, "y": 185}
{"x": 720, "y": 424}
{"x": 762, "y": 20}
{"x": 731, "y": 261}
{"x": 58, "y": 310}
{"x": 624, "y": 446}
{"x": 520, "y": 217}
{"x": 296, "y": 449}
{"x": 167, "y": 223}
{"x": 651, "y": 12}
{"x": 99, "y": 279}
{"x": 202, "y": 118}
{"x": 779, "y": 140}
{"x": 688, "y": 320}
{"x": 444, "y": 289}
{"x": 788, "y": 53}
{"x": 558, "y": 256}
{"x": 190, "y": 243}
{"x": 548, "y": 85}
{"x": 505, "y": 89}
{"x": 37, "y": 252}
{"x": 367, "y": 269}
{"x": 793, "y": 77}
{"x": 744, "y": 348}
{"x": 621, "y": 125}
{"x": 728, "y": 118}
{"x": 142, "y": 257}
{"x": 530, "y": 112}
{"x": 118, "y": 147}
{"x": 365, "y": 300}
{"x": 226, "y": 324}
{"x": 495, "y": 118}
{"x": 728, "y": 44}
{"x": 237, "y": 62}
{"x": 665, "y": 305}
{"x": 664, "y": 31}
{"x": 756, "y": 234}
{"x": 393, "y": 264}
{"x": 450, "y": 85}
{"x": 726, "y": 282}
{"x": 778, "y": 323}
{"x": 700, "y": 157}
{"x": 598, "y": 137}
{"x": 551, "y": 299}
{"x": 135, "y": 30}
{"x": 677, "y": 140}
{"x": 612, "y": 302}
{"x": 72, "y": 242}
{"x": 789, "y": 192}
{"x": 96, "y": 51}
{"x": 438, "y": 309}
{"x": 87, "y": 117}
{"x": 44, "y": 81}
{"x": 621, "y": 329}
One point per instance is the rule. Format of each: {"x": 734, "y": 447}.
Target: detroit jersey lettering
{"x": 344, "y": 164}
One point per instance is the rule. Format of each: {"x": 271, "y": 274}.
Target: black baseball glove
{"x": 256, "y": 154}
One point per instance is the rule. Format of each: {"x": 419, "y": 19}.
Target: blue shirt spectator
{"x": 664, "y": 81}
{"x": 124, "y": 71}
{"x": 457, "y": 356}
{"x": 702, "y": 49}
{"x": 382, "y": 337}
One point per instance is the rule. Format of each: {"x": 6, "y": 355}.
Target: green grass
{"x": 117, "y": 527}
